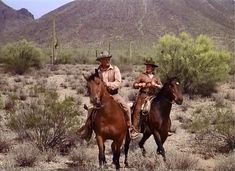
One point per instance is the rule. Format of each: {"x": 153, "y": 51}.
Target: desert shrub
{"x": 18, "y": 57}
{"x": 217, "y": 124}
{"x": 225, "y": 163}
{"x": 65, "y": 57}
{"x": 46, "y": 120}
{"x": 26, "y": 155}
{"x": 85, "y": 56}
{"x": 50, "y": 155}
{"x": 4, "y": 146}
{"x": 10, "y": 102}
{"x": 150, "y": 162}
{"x": 82, "y": 159}
{"x": 196, "y": 62}
{"x": 181, "y": 161}
{"x": 1, "y": 104}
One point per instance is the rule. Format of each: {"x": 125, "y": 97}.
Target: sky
{"x": 36, "y": 7}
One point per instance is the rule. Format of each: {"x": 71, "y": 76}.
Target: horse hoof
{"x": 117, "y": 167}
{"x": 127, "y": 165}
{"x": 164, "y": 159}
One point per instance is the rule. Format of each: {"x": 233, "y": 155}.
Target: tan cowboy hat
{"x": 150, "y": 61}
{"x": 104, "y": 54}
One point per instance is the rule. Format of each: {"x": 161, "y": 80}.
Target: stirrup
{"x": 133, "y": 133}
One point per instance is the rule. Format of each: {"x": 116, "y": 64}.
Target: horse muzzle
{"x": 179, "y": 101}
{"x": 96, "y": 101}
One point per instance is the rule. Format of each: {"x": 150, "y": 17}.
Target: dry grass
{"x": 82, "y": 159}
{"x": 181, "y": 161}
{"x": 26, "y": 155}
{"x": 50, "y": 156}
{"x": 4, "y": 146}
{"x": 225, "y": 163}
{"x": 150, "y": 162}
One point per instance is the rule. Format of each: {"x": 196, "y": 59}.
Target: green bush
{"x": 46, "y": 120}
{"x": 18, "y": 57}
{"x": 65, "y": 57}
{"x": 217, "y": 124}
{"x": 196, "y": 62}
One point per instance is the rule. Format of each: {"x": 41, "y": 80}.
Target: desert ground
{"x": 184, "y": 151}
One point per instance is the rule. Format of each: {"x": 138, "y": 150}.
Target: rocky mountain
{"x": 97, "y": 21}
{"x": 11, "y": 19}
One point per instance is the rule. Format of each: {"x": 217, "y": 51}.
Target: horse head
{"x": 174, "y": 90}
{"x": 95, "y": 88}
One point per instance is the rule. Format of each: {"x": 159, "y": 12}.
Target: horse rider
{"x": 148, "y": 84}
{"x": 111, "y": 77}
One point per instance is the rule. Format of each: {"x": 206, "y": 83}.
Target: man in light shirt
{"x": 148, "y": 84}
{"x": 111, "y": 76}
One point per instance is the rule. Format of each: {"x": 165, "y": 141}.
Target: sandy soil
{"x": 67, "y": 75}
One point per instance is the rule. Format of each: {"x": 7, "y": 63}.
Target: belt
{"x": 113, "y": 92}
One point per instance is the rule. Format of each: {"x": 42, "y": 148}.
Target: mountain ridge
{"x": 99, "y": 21}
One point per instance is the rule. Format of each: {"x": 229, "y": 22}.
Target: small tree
{"x": 196, "y": 62}
{"x": 20, "y": 56}
{"x": 46, "y": 121}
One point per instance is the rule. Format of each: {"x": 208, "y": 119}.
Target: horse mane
{"x": 169, "y": 79}
{"x": 93, "y": 75}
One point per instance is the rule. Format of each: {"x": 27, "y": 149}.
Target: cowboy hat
{"x": 104, "y": 54}
{"x": 150, "y": 61}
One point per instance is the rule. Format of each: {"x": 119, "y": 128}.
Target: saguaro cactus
{"x": 55, "y": 42}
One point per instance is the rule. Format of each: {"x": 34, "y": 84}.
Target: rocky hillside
{"x": 11, "y": 19}
{"x": 90, "y": 21}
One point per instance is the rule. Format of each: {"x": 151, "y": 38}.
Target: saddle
{"x": 145, "y": 108}
{"x": 144, "y": 114}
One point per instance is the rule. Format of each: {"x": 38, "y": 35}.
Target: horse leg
{"x": 126, "y": 148}
{"x": 113, "y": 151}
{"x": 100, "y": 143}
{"x": 160, "y": 149}
{"x": 116, "y": 146}
{"x": 105, "y": 162}
{"x": 117, "y": 152}
{"x": 146, "y": 135}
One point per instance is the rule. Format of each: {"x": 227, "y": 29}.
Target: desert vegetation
{"x": 41, "y": 106}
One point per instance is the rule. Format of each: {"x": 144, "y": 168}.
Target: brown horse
{"x": 109, "y": 121}
{"x": 158, "y": 121}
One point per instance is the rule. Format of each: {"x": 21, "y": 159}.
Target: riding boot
{"x": 132, "y": 131}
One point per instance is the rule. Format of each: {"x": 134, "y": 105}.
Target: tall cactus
{"x": 54, "y": 42}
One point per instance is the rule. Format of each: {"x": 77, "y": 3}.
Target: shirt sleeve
{"x": 117, "y": 83}
{"x": 158, "y": 81}
{"x": 137, "y": 80}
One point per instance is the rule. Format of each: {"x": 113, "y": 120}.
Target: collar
{"x": 148, "y": 74}
{"x": 109, "y": 68}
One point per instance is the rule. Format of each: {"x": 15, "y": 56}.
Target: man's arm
{"x": 157, "y": 83}
{"x": 137, "y": 84}
{"x": 118, "y": 79}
